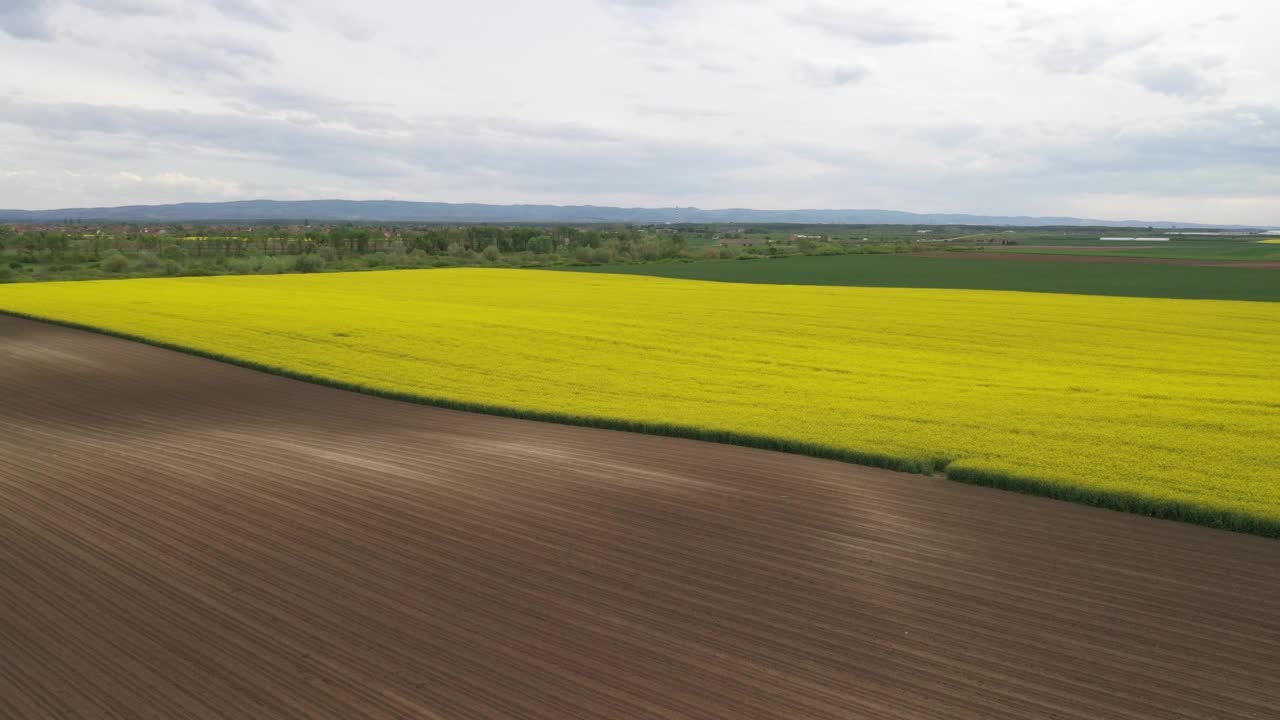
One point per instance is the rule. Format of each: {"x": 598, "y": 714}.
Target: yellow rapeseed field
{"x": 1170, "y": 407}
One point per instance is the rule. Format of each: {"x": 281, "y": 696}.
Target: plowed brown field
{"x": 1102, "y": 259}
{"x": 181, "y": 538}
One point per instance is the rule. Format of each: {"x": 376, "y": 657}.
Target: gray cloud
{"x": 1242, "y": 137}
{"x": 32, "y": 19}
{"x": 1227, "y": 150}
{"x": 951, "y": 133}
{"x": 1190, "y": 79}
{"x": 251, "y": 11}
{"x": 128, "y": 7}
{"x": 202, "y": 58}
{"x": 1084, "y": 52}
{"x": 535, "y": 156}
{"x": 822, "y": 72}
{"x": 872, "y": 26}
{"x": 309, "y": 108}
{"x": 678, "y": 113}
{"x": 27, "y": 19}
{"x": 1207, "y": 156}
{"x": 643, "y": 4}
{"x": 356, "y": 30}
{"x": 1076, "y": 43}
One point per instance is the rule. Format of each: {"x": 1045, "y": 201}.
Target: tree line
{"x": 77, "y": 250}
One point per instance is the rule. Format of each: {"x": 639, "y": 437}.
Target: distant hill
{"x": 431, "y": 212}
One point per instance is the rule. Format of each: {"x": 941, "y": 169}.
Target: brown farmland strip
{"x": 1096, "y": 259}
{"x": 1119, "y": 248}
{"x": 185, "y": 538}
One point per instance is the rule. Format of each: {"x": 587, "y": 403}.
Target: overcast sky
{"x": 1141, "y": 109}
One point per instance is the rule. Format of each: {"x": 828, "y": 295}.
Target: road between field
{"x": 181, "y": 538}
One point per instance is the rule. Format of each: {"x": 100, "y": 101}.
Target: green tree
{"x": 541, "y": 244}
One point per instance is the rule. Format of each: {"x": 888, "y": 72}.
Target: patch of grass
{"x": 908, "y": 271}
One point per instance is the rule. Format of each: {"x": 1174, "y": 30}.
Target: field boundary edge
{"x": 1133, "y": 503}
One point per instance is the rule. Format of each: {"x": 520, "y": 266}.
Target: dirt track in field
{"x": 181, "y": 538}
{"x": 1053, "y": 257}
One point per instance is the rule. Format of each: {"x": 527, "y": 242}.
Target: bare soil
{"x": 1051, "y": 257}
{"x": 181, "y": 538}
{"x": 1098, "y": 248}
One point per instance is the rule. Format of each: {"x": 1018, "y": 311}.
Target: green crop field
{"x": 1132, "y": 280}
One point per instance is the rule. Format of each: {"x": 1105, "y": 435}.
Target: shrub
{"x": 171, "y": 268}
{"x": 115, "y": 263}
{"x": 269, "y": 266}
{"x": 240, "y": 266}
{"x": 727, "y": 253}
{"x": 149, "y": 261}
{"x": 309, "y": 263}
{"x": 650, "y": 251}
{"x": 6, "y": 274}
{"x": 492, "y": 253}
